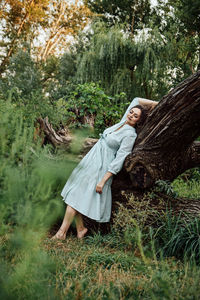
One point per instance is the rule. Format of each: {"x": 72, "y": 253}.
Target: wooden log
{"x": 59, "y": 138}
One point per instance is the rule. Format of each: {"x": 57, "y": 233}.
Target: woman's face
{"x": 133, "y": 116}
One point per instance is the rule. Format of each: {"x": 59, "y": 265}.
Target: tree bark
{"x": 60, "y": 138}
{"x": 166, "y": 146}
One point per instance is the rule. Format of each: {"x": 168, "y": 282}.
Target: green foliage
{"x": 29, "y": 178}
{"x": 23, "y": 86}
{"x": 165, "y": 186}
{"x": 179, "y": 238}
{"x": 157, "y": 234}
{"x": 28, "y": 273}
{"x": 22, "y": 77}
{"x": 136, "y": 66}
{"x": 49, "y": 69}
{"x": 68, "y": 66}
{"x": 22, "y": 81}
{"x": 187, "y": 184}
{"x": 134, "y": 13}
{"x": 178, "y": 23}
{"x": 189, "y": 188}
{"x": 87, "y": 105}
{"x": 188, "y": 13}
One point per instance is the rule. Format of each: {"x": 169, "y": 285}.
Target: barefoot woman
{"x": 88, "y": 189}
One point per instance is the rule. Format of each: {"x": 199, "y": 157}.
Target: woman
{"x": 88, "y": 189}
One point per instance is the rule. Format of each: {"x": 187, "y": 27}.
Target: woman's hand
{"x": 99, "y": 187}
{"x": 149, "y": 103}
{"x": 153, "y": 105}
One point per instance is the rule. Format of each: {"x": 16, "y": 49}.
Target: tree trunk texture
{"x": 166, "y": 146}
{"x": 59, "y": 138}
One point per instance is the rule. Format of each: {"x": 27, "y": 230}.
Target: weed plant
{"x": 179, "y": 238}
{"x": 189, "y": 188}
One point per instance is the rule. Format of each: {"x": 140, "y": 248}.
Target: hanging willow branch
{"x": 121, "y": 63}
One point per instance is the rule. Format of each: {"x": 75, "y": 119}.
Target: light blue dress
{"x": 108, "y": 154}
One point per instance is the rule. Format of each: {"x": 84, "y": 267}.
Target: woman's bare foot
{"x": 81, "y": 233}
{"x": 60, "y": 235}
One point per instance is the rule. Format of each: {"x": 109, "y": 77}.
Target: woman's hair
{"x": 143, "y": 116}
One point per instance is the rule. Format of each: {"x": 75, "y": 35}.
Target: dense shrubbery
{"x": 30, "y": 175}
{"x": 88, "y": 105}
{"x": 31, "y": 178}
{"x": 75, "y": 105}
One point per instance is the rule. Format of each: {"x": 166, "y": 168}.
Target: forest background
{"x": 80, "y": 63}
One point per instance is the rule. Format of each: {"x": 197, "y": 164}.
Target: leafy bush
{"x": 30, "y": 179}
{"x": 88, "y": 105}
{"x": 165, "y": 186}
{"x": 154, "y": 233}
{"x": 136, "y": 209}
{"x": 23, "y": 85}
{"x": 22, "y": 77}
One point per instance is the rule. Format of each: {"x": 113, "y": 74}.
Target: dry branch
{"x": 60, "y": 138}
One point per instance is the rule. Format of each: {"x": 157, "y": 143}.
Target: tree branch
{"x": 61, "y": 137}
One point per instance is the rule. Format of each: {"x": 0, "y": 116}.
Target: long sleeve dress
{"x": 108, "y": 154}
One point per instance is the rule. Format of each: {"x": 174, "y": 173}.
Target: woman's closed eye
{"x": 134, "y": 114}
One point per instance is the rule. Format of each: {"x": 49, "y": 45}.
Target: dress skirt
{"x": 80, "y": 189}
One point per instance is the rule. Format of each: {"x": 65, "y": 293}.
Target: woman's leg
{"x": 81, "y": 229}
{"x": 68, "y": 218}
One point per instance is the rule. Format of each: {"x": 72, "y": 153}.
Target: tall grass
{"x": 179, "y": 238}
{"x": 31, "y": 178}
{"x": 188, "y": 184}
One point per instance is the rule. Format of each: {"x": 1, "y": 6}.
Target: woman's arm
{"x": 116, "y": 164}
{"x": 147, "y": 102}
{"x": 101, "y": 183}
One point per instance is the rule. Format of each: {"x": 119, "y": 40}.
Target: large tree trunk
{"x": 166, "y": 145}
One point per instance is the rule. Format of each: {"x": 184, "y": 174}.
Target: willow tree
{"x": 122, "y": 63}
